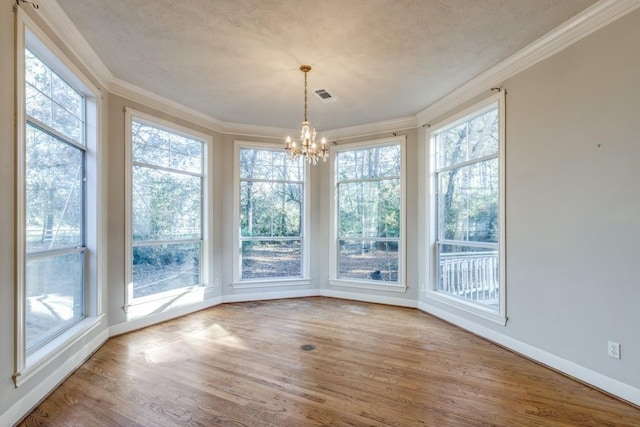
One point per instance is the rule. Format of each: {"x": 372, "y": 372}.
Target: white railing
{"x": 470, "y": 275}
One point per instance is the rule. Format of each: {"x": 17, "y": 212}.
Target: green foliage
{"x": 271, "y": 194}
{"x": 468, "y": 194}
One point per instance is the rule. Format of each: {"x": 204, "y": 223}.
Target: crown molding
{"x": 580, "y": 26}
{"x": 149, "y": 99}
{"x": 253, "y": 131}
{"x": 369, "y": 129}
{"x": 57, "y": 20}
{"x": 587, "y": 22}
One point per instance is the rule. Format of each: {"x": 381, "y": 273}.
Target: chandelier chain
{"x": 305, "y": 96}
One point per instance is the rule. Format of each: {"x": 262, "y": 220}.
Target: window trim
{"x": 29, "y": 35}
{"x": 334, "y": 249}
{"x": 499, "y": 316}
{"x": 139, "y": 303}
{"x": 237, "y": 281}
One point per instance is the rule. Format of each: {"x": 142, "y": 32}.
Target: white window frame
{"x": 143, "y": 306}
{"x": 498, "y": 316}
{"x": 238, "y": 282}
{"x": 334, "y": 250}
{"x": 29, "y": 35}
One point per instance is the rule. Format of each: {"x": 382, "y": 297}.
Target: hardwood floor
{"x": 374, "y": 365}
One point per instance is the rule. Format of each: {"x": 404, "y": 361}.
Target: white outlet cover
{"x": 613, "y": 349}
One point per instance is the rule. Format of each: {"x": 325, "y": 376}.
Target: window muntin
{"x": 468, "y": 208}
{"x": 167, "y": 196}
{"x": 369, "y": 212}
{"x": 271, "y": 214}
{"x": 52, "y": 101}
{"x": 55, "y": 204}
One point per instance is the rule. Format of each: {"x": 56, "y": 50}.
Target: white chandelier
{"x": 307, "y": 146}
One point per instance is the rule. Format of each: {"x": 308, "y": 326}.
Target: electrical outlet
{"x": 216, "y": 282}
{"x": 614, "y": 350}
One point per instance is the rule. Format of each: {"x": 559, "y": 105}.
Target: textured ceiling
{"x": 238, "y": 60}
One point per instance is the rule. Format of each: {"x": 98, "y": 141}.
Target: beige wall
{"x": 572, "y": 207}
{"x": 17, "y": 400}
{"x": 7, "y": 195}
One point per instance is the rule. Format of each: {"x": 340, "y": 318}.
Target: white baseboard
{"x": 600, "y": 381}
{"x": 42, "y": 390}
{"x": 579, "y": 372}
{"x": 263, "y": 296}
{"x": 143, "y": 322}
{"x": 378, "y": 299}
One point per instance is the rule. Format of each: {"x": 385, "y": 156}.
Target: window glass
{"x": 468, "y": 208}
{"x": 54, "y": 189}
{"x": 52, "y": 101}
{"x": 369, "y": 212}
{"x": 271, "y": 214}
{"x": 54, "y": 294}
{"x": 468, "y": 202}
{"x": 158, "y": 147}
{"x": 54, "y": 192}
{"x": 166, "y": 209}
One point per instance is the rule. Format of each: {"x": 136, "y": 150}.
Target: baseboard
{"x": 143, "y": 322}
{"x": 29, "y": 401}
{"x": 579, "y": 372}
{"x": 263, "y": 296}
{"x": 595, "y": 379}
{"x": 378, "y": 299}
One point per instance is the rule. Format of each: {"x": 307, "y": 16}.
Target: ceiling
{"x": 238, "y": 60}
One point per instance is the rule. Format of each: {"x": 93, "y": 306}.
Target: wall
{"x": 7, "y": 193}
{"x": 116, "y": 197}
{"x": 572, "y": 211}
{"x": 15, "y": 402}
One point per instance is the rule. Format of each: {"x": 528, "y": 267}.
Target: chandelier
{"x": 307, "y": 146}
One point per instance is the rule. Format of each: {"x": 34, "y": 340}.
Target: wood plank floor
{"x": 373, "y": 365}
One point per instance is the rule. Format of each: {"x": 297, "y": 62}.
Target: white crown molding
{"x": 580, "y": 26}
{"x": 57, "y": 20}
{"x": 149, "y": 99}
{"x": 240, "y": 129}
{"x": 590, "y": 20}
{"x": 368, "y": 129}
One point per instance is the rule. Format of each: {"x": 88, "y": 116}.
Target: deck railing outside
{"x": 471, "y": 275}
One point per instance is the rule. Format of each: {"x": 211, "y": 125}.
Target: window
{"x": 167, "y": 208}
{"x": 271, "y": 210}
{"x": 369, "y": 214}
{"x": 57, "y": 207}
{"x": 468, "y": 210}
{"x": 55, "y": 194}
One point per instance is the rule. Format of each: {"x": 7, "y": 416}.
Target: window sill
{"x": 468, "y": 307}
{"x": 41, "y": 358}
{"x": 390, "y": 287}
{"x": 270, "y": 283}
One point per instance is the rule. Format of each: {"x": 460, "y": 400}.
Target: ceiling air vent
{"x": 324, "y": 95}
